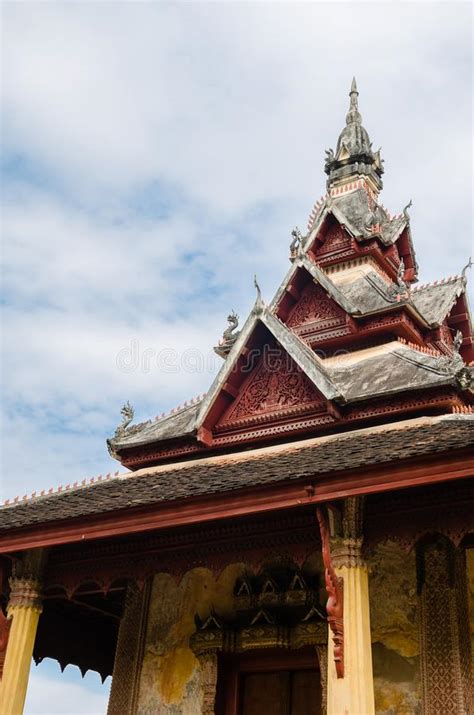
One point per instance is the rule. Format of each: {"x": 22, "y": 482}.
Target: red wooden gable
{"x": 275, "y": 387}
{"x": 314, "y": 306}
{"x": 336, "y": 239}
{"x": 267, "y": 395}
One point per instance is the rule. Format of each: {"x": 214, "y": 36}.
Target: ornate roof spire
{"x": 354, "y": 155}
{"x": 353, "y": 116}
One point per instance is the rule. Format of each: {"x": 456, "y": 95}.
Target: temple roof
{"x": 352, "y": 207}
{"x": 361, "y": 291}
{"x": 388, "y": 369}
{"x": 229, "y": 472}
{"x": 179, "y": 423}
{"x": 348, "y": 378}
{"x": 362, "y": 264}
{"x": 435, "y": 300}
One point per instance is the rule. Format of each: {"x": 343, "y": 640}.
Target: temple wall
{"x": 395, "y": 630}
{"x": 171, "y": 678}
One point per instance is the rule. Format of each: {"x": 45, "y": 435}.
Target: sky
{"x": 155, "y": 156}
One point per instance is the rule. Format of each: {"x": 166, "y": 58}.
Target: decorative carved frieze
{"x": 268, "y": 615}
{"x": 337, "y": 239}
{"x": 274, "y": 386}
{"x": 129, "y": 652}
{"x": 314, "y": 306}
{"x": 347, "y": 552}
{"x": 444, "y": 639}
{"x": 213, "y": 546}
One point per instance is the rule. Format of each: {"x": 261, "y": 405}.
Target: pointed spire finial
{"x": 353, "y": 115}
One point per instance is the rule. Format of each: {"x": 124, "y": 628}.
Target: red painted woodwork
{"x": 272, "y": 388}
{"x": 314, "y": 306}
{"x": 335, "y": 240}
{"x": 294, "y": 423}
{"x": 5, "y": 624}
{"x": 335, "y": 602}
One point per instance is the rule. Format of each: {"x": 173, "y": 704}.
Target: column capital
{"x": 347, "y": 552}
{"x": 24, "y": 593}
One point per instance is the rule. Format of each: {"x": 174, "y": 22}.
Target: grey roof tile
{"x": 434, "y": 301}
{"x": 321, "y": 457}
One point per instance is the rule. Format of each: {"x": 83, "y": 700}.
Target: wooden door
{"x": 265, "y": 693}
{"x": 269, "y": 683}
{"x": 280, "y": 693}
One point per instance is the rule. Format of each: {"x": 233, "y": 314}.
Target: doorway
{"x": 270, "y": 683}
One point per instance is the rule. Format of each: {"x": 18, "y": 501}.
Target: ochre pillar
{"x": 24, "y": 610}
{"x": 351, "y": 690}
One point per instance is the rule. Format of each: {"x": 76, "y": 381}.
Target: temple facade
{"x": 300, "y": 539}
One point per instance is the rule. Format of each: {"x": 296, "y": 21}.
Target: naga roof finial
{"x": 405, "y": 210}
{"x": 127, "y": 413}
{"x": 466, "y": 267}
{"x": 259, "y": 292}
{"x": 296, "y": 243}
{"x": 229, "y": 335}
{"x": 259, "y": 302}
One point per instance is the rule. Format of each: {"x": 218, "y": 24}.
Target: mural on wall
{"x": 171, "y": 679}
{"x": 395, "y": 634}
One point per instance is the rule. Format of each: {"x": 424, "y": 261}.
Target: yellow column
{"x": 354, "y": 693}
{"x": 24, "y": 609}
{"x": 350, "y": 684}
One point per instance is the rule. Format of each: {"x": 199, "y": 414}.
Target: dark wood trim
{"x": 312, "y": 490}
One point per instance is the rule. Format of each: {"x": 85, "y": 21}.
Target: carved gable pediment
{"x": 315, "y": 307}
{"x": 335, "y": 240}
{"x": 275, "y": 388}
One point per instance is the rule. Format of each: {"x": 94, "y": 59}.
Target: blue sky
{"x": 156, "y": 156}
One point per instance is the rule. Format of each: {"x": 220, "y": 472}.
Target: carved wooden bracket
{"x": 335, "y": 602}
{"x": 5, "y": 624}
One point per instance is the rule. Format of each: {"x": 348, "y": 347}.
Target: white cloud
{"x": 233, "y": 103}
{"x": 52, "y": 693}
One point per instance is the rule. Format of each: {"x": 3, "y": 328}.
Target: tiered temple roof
{"x": 351, "y": 338}
{"x": 347, "y": 343}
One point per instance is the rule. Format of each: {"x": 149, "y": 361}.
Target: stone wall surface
{"x": 394, "y": 625}
{"x": 171, "y": 678}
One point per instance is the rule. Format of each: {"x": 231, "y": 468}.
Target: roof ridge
{"x": 180, "y": 408}
{"x": 438, "y": 282}
{"x": 56, "y": 490}
{"x": 318, "y": 204}
{"x": 421, "y": 348}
